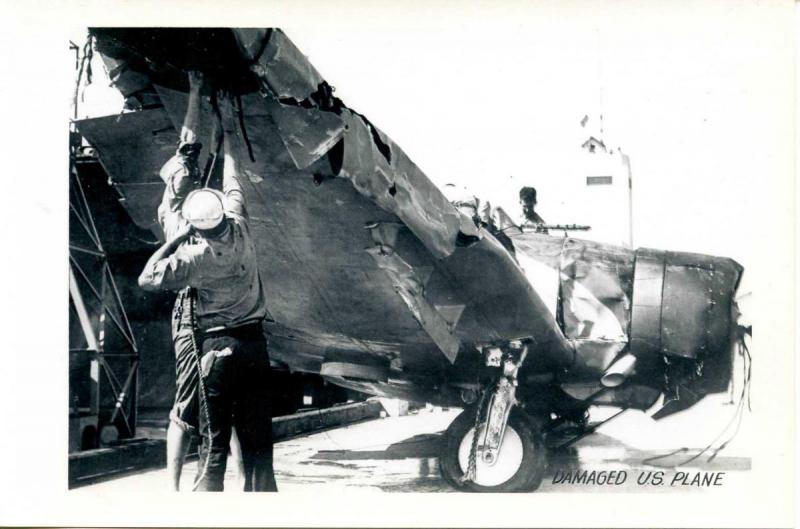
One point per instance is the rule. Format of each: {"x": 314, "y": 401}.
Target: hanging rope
{"x": 191, "y": 300}
{"x": 85, "y": 66}
{"x": 240, "y": 114}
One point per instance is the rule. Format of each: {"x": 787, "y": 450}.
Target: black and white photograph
{"x": 447, "y": 264}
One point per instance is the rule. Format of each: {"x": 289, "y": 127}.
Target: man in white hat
{"x": 182, "y": 175}
{"x": 213, "y": 252}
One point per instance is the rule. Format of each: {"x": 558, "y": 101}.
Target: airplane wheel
{"x": 519, "y": 468}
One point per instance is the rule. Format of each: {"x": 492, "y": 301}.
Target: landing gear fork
{"x": 501, "y": 399}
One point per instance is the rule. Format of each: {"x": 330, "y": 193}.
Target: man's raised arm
{"x": 233, "y": 154}
{"x": 181, "y": 173}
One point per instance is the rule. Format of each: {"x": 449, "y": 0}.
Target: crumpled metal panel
{"x": 425, "y": 210}
{"x": 398, "y": 186}
{"x": 480, "y": 293}
{"x": 124, "y": 79}
{"x": 166, "y": 54}
{"x": 307, "y": 133}
{"x": 411, "y": 288}
{"x": 285, "y": 69}
{"x": 539, "y": 256}
{"x": 595, "y": 302}
{"x": 594, "y": 357}
{"x": 359, "y": 164}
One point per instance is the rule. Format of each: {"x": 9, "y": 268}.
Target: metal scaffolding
{"x": 99, "y": 331}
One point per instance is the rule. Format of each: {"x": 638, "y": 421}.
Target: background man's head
{"x": 527, "y": 199}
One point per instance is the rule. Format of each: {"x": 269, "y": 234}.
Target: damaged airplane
{"x": 378, "y": 283}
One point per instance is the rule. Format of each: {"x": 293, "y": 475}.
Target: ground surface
{"x": 399, "y": 454}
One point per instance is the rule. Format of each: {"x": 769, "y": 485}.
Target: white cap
{"x": 203, "y": 208}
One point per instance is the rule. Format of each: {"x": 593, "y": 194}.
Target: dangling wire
{"x": 240, "y": 114}
{"x": 738, "y": 414}
{"x": 747, "y": 364}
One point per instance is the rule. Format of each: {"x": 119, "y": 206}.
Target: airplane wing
{"x": 372, "y": 277}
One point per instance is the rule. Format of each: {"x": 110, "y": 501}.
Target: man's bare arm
{"x": 181, "y": 173}
{"x": 232, "y": 167}
{"x": 191, "y": 120}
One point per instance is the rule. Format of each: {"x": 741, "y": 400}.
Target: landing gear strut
{"x": 492, "y": 447}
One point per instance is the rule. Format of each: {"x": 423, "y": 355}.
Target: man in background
{"x": 527, "y": 199}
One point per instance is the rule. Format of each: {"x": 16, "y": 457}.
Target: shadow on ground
{"x": 418, "y": 446}
{"x": 597, "y": 452}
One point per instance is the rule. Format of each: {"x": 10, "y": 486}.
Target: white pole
{"x": 83, "y": 315}
{"x": 627, "y": 161}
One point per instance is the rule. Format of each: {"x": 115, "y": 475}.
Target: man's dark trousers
{"x": 237, "y": 388}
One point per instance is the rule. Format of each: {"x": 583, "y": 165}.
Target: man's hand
{"x": 196, "y": 79}
{"x": 227, "y": 113}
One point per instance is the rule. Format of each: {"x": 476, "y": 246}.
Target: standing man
{"x": 214, "y": 253}
{"x": 182, "y": 175}
{"x": 184, "y": 415}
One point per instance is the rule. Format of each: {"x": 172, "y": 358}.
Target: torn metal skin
{"x": 411, "y": 289}
{"x": 398, "y": 186}
{"x": 284, "y": 71}
{"x": 307, "y": 134}
{"x": 389, "y": 177}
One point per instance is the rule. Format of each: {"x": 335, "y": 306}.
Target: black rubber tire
{"x": 534, "y": 456}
